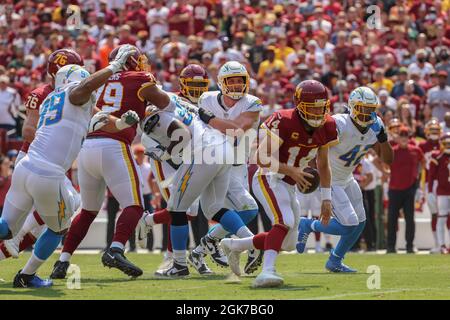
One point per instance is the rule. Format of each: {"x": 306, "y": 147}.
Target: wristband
{"x": 325, "y": 193}
{"x": 120, "y": 125}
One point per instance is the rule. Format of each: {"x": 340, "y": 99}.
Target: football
{"x": 315, "y": 181}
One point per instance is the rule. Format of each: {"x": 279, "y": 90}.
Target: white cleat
{"x": 318, "y": 248}
{"x": 435, "y": 250}
{"x": 12, "y": 245}
{"x": 268, "y": 279}
{"x": 233, "y": 256}
{"x": 142, "y": 231}
{"x": 167, "y": 261}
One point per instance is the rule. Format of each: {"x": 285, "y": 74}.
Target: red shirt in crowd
{"x": 201, "y": 14}
{"x": 181, "y": 27}
{"x": 405, "y": 168}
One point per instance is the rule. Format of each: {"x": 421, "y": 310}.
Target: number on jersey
{"x": 354, "y": 156}
{"x": 52, "y": 109}
{"x": 112, "y": 96}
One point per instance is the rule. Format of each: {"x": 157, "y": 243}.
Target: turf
{"x": 402, "y": 277}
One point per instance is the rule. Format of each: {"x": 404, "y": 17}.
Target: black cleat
{"x": 175, "y": 271}
{"x": 255, "y": 258}
{"x": 60, "y": 270}
{"x": 30, "y": 281}
{"x": 114, "y": 258}
{"x": 197, "y": 261}
{"x": 328, "y": 247}
{"x": 211, "y": 246}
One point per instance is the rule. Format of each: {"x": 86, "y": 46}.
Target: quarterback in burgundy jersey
{"x": 291, "y": 139}
{"x": 439, "y": 173}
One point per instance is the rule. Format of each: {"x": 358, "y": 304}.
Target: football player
{"x": 39, "y": 179}
{"x": 291, "y": 139}
{"x": 433, "y": 132}
{"x": 357, "y": 133}
{"x": 193, "y": 82}
{"x": 233, "y": 109}
{"x": 34, "y": 225}
{"x": 106, "y": 161}
{"x": 194, "y": 178}
{"x": 439, "y": 170}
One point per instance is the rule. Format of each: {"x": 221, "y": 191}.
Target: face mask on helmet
{"x": 446, "y": 145}
{"x": 193, "y": 88}
{"x": 141, "y": 63}
{"x": 234, "y": 86}
{"x": 362, "y": 113}
{"x": 314, "y": 113}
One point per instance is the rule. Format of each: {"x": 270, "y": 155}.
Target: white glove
{"x": 128, "y": 119}
{"x": 99, "y": 120}
{"x": 121, "y": 58}
{"x": 158, "y": 153}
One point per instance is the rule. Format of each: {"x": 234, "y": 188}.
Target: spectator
{"x": 405, "y": 114}
{"x": 438, "y": 98}
{"x": 9, "y": 104}
{"x": 210, "y": 42}
{"x": 380, "y": 82}
{"x": 421, "y": 65}
{"x": 405, "y": 170}
{"x": 399, "y": 89}
{"x": 387, "y": 102}
{"x": 368, "y": 183}
{"x": 157, "y": 20}
{"x": 5, "y": 179}
{"x": 256, "y": 53}
{"x": 179, "y": 18}
{"x": 412, "y": 99}
{"x": 445, "y": 125}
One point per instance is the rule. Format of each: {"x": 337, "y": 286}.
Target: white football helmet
{"x": 229, "y": 70}
{"x": 70, "y": 73}
{"x": 149, "y": 120}
{"x": 362, "y": 103}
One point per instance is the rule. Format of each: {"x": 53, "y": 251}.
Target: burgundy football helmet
{"x": 136, "y": 62}
{"x": 193, "y": 82}
{"x": 311, "y": 101}
{"x": 60, "y": 58}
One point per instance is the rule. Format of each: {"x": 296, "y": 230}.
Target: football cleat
{"x": 175, "y": 271}
{"x": 254, "y": 260}
{"x": 318, "y": 248}
{"x": 334, "y": 264}
{"x": 142, "y": 231}
{"x": 233, "y": 257}
{"x": 435, "y": 250}
{"x": 30, "y": 281}
{"x": 197, "y": 261}
{"x": 304, "y": 229}
{"x": 60, "y": 269}
{"x": 12, "y": 246}
{"x": 328, "y": 247}
{"x": 114, "y": 258}
{"x": 443, "y": 250}
{"x": 167, "y": 260}
{"x": 268, "y": 279}
{"x": 211, "y": 246}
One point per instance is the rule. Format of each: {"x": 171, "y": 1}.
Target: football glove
{"x": 121, "y": 58}
{"x": 99, "y": 120}
{"x": 205, "y": 115}
{"x": 128, "y": 119}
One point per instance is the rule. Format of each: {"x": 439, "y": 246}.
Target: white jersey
{"x": 61, "y": 130}
{"x": 211, "y": 101}
{"x": 201, "y": 134}
{"x": 350, "y": 150}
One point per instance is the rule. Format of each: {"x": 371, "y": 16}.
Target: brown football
{"x": 315, "y": 181}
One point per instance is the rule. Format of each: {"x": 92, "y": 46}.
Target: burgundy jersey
{"x": 298, "y": 147}
{"x": 427, "y": 148}
{"x": 439, "y": 170}
{"x": 120, "y": 94}
{"x": 34, "y": 101}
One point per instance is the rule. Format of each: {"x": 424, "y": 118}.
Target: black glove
{"x": 382, "y": 136}
{"x": 205, "y": 115}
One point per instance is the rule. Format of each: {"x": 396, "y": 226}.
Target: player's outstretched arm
{"x": 155, "y": 96}
{"x": 82, "y": 92}
{"x": 236, "y": 127}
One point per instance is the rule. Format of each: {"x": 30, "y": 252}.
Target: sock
{"x": 347, "y": 241}
{"x": 180, "y": 257}
{"x": 27, "y": 241}
{"x": 242, "y": 244}
{"x": 126, "y": 224}
{"x": 317, "y": 236}
{"x": 218, "y": 232}
{"x": 231, "y": 221}
{"x": 333, "y": 227}
{"x": 169, "y": 240}
{"x": 433, "y": 229}
{"x": 4, "y": 229}
{"x": 32, "y": 265}
{"x": 78, "y": 230}
{"x": 159, "y": 217}
{"x": 248, "y": 215}
{"x": 38, "y": 218}
{"x": 244, "y": 232}
{"x": 65, "y": 257}
{"x": 327, "y": 238}
{"x": 440, "y": 229}
{"x": 269, "y": 260}
{"x": 117, "y": 245}
{"x": 46, "y": 244}
{"x": 259, "y": 240}
{"x": 275, "y": 237}
{"x": 4, "y": 254}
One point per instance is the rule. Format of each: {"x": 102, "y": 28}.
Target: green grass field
{"x": 402, "y": 277}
